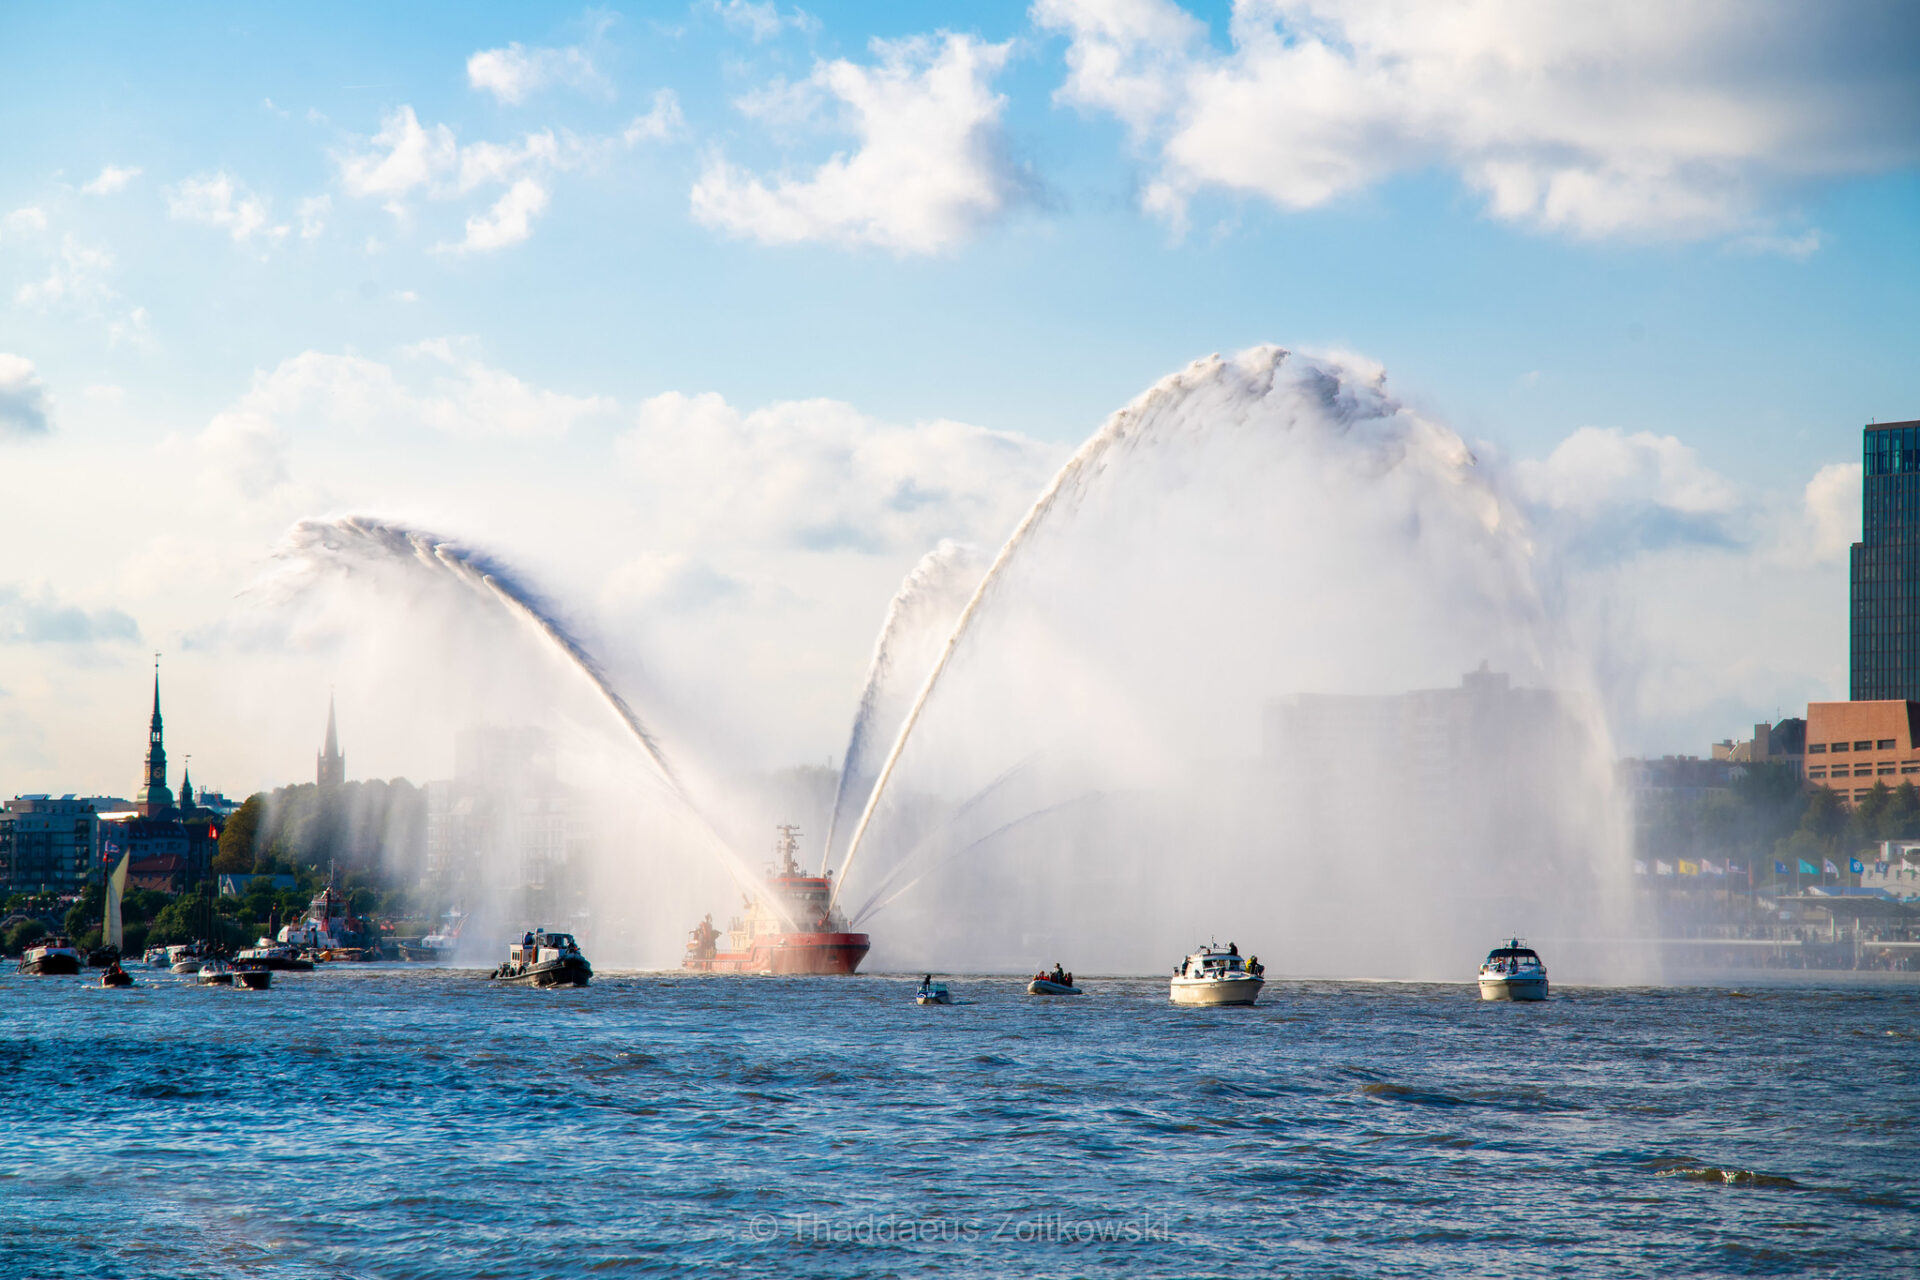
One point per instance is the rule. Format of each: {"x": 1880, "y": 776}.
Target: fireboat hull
{"x": 837, "y": 954}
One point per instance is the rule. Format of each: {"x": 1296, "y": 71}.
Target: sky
{"x": 713, "y": 318}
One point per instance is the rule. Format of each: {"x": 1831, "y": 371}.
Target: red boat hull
{"x": 810, "y": 953}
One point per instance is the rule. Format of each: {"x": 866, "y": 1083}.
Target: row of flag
{"x": 1708, "y": 867}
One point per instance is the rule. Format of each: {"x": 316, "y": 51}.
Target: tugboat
{"x": 1513, "y": 971}
{"x": 331, "y": 931}
{"x": 51, "y": 957}
{"x": 1212, "y": 976}
{"x": 435, "y": 948}
{"x": 542, "y": 959}
{"x": 790, "y": 926}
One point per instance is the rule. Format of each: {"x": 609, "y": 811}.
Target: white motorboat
{"x": 1513, "y": 971}
{"x": 1213, "y": 976}
{"x": 52, "y": 956}
{"x": 215, "y": 973}
{"x": 268, "y": 954}
{"x": 187, "y": 957}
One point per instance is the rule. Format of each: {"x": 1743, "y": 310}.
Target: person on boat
{"x": 526, "y": 939}
{"x": 1233, "y": 948}
{"x": 1254, "y": 966}
{"x": 926, "y": 983}
{"x": 1059, "y": 977}
{"x": 1069, "y": 981}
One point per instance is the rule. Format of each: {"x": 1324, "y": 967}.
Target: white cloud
{"x": 41, "y": 617}
{"x": 762, "y": 20}
{"x": 1831, "y": 507}
{"x": 1604, "y": 466}
{"x": 24, "y": 220}
{"x": 664, "y": 121}
{"x": 77, "y": 276}
{"x": 512, "y": 74}
{"x": 929, "y": 170}
{"x": 508, "y": 222}
{"x": 820, "y": 476}
{"x": 404, "y": 156}
{"x": 113, "y": 178}
{"x": 24, "y": 406}
{"x": 224, "y": 202}
{"x": 312, "y": 213}
{"x": 1608, "y": 118}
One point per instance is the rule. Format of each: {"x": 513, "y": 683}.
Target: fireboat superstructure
{"x": 790, "y": 926}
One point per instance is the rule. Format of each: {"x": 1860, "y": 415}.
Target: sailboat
{"x": 112, "y": 932}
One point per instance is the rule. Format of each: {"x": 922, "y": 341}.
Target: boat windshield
{"x": 1523, "y": 955}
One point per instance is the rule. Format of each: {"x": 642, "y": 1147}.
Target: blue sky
{"x": 1689, "y": 234}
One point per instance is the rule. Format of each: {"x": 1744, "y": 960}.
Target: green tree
{"x": 237, "y": 839}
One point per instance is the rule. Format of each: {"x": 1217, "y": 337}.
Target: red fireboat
{"x": 789, "y": 927}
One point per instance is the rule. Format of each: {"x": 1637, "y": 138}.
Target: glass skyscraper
{"x": 1885, "y": 658}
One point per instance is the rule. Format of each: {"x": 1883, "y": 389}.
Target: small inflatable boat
{"x": 1048, "y": 987}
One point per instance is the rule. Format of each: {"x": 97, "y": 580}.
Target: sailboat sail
{"x": 116, "y": 887}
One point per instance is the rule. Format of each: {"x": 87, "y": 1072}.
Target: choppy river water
{"x": 391, "y": 1122}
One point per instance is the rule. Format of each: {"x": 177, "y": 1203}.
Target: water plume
{"x": 920, "y": 615}
{"x": 316, "y": 547}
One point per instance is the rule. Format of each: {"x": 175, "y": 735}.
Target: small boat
{"x": 254, "y": 977}
{"x": 156, "y": 958}
{"x": 187, "y": 957}
{"x": 52, "y": 957}
{"x": 1513, "y": 971}
{"x": 932, "y": 992}
{"x": 435, "y": 948}
{"x": 268, "y": 954}
{"x": 543, "y": 959}
{"x": 215, "y": 973}
{"x": 1057, "y": 983}
{"x": 1211, "y": 976}
{"x": 115, "y": 976}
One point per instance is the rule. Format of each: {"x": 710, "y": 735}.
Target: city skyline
{"x": 637, "y": 301}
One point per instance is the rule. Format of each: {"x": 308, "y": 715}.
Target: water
{"x": 384, "y": 1122}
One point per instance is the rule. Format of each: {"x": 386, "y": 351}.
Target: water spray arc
{"x": 316, "y": 542}
{"x": 1122, "y": 430}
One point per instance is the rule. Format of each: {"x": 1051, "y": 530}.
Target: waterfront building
{"x": 1853, "y": 745}
{"x": 47, "y": 845}
{"x": 1782, "y": 744}
{"x": 1885, "y": 569}
{"x": 330, "y": 766}
{"x": 505, "y": 810}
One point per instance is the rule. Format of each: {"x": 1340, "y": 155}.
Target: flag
{"x": 1853, "y": 865}
{"x": 1736, "y": 868}
{"x": 1639, "y": 867}
{"x": 1831, "y": 869}
{"x": 1808, "y": 869}
{"x": 1880, "y": 868}
{"x": 1689, "y": 868}
{"x": 1709, "y": 868}
{"x": 1780, "y": 868}
{"x": 1662, "y": 868}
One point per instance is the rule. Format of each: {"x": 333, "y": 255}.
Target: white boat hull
{"x": 1502, "y": 986}
{"x": 1216, "y": 991}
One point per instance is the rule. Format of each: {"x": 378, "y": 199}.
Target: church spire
{"x": 154, "y": 800}
{"x": 330, "y": 766}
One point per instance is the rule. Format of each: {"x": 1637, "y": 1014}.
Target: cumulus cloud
{"x": 41, "y": 618}
{"x": 929, "y": 170}
{"x": 441, "y": 386}
{"x": 514, "y": 73}
{"x": 1606, "y": 492}
{"x": 820, "y": 476}
{"x": 1601, "y": 119}
{"x": 761, "y": 21}
{"x": 113, "y": 178}
{"x": 1831, "y": 507}
{"x": 76, "y": 275}
{"x": 24, "y": 220}
{"x": 224, "y": 202}
{"x": 662, "y": 122}
{"x": 406, "y": 159}
{"x": 24, "y": 409}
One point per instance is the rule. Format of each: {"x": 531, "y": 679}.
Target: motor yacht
{"x": 52, "y": 956}
{"x": 1213, "y": 976}
{"x": 1513, "y": 971}
{"x": 268, "y": 954}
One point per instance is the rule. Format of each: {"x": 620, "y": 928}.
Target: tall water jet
{"x": 920, "y": 615}
{"x": 317, "y": 546}
{"x": 1250, "y": 532}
